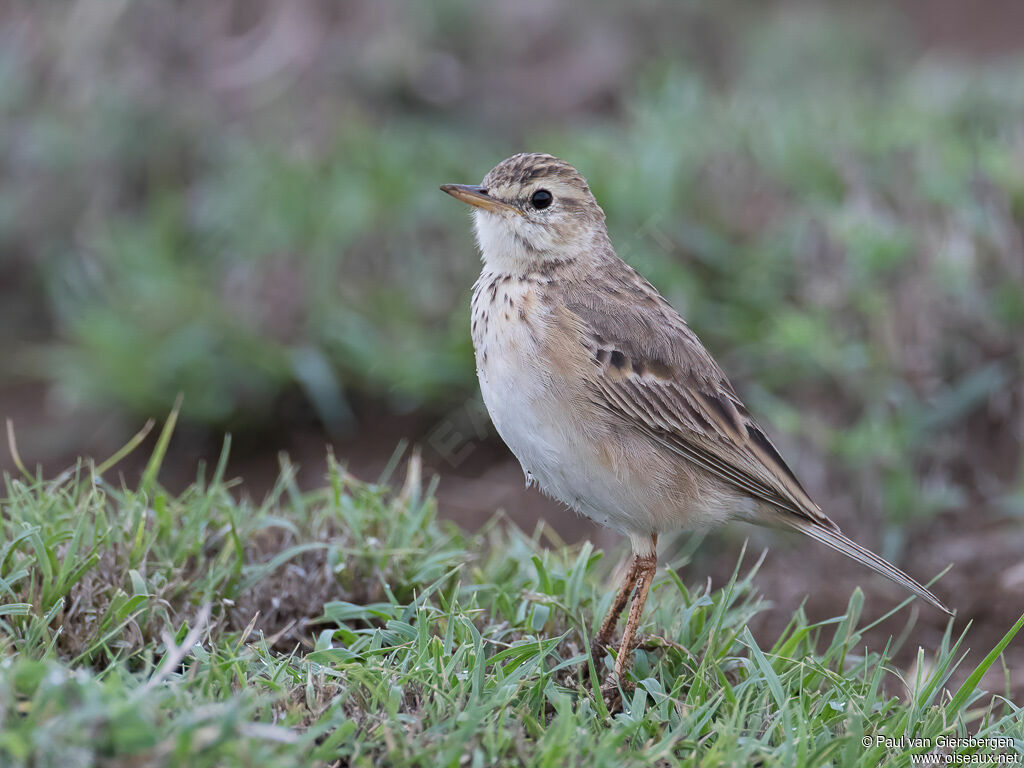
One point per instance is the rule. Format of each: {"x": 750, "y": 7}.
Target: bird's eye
{"x": 541, "y": 199}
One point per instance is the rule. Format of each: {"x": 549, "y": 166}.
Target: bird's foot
{"x": 653, "y": 642}
{"x": 599, "y": 648}
{"x": 613, "y": 690}
{"x": 612, "y": 697}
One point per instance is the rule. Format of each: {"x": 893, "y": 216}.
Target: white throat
{"x": 511, "y": 244}
{"x": 500, "y": 249}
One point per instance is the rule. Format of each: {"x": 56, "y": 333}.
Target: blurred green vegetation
{"x": 838, "y": 216}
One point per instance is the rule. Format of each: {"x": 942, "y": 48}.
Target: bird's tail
{"x": 855, "y": 551}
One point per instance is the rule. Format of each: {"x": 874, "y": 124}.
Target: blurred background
{"x": 238, "y": 201}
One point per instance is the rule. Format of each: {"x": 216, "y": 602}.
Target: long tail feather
{"x": 864, "y": 556}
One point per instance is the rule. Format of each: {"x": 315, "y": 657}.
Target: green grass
{"x": 349, "y": 626}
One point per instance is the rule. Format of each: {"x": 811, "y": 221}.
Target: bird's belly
{"x": 532, "y": 414}
{"x": 518, "y": 399}
{"x": 617, "y": 480}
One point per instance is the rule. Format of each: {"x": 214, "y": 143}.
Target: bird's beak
{"x": 478, "y": 197}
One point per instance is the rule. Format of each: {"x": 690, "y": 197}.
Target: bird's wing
{"x": 650, "y": 368}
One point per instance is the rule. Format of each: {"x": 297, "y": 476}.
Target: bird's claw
{"x": 613, "y": 689}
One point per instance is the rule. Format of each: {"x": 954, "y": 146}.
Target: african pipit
{"x": 604, "y": 394}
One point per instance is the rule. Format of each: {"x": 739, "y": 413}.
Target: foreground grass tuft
{"x": 348, "y": 626}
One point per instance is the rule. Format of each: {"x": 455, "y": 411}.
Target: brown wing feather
{"x": 651, "y": 369}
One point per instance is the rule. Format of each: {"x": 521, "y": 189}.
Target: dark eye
{"x": 541, "y": 199}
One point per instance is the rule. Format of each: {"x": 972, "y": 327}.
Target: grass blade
{"x": 971, "y": 683}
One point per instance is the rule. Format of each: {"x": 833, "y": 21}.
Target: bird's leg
{"x": 604, "y": 635}
{"x": 646, "y": 566}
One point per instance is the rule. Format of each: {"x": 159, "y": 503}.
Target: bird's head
{"x": 531, "y": 210}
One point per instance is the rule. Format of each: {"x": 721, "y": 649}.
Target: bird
{"x": 604, "y": 394}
